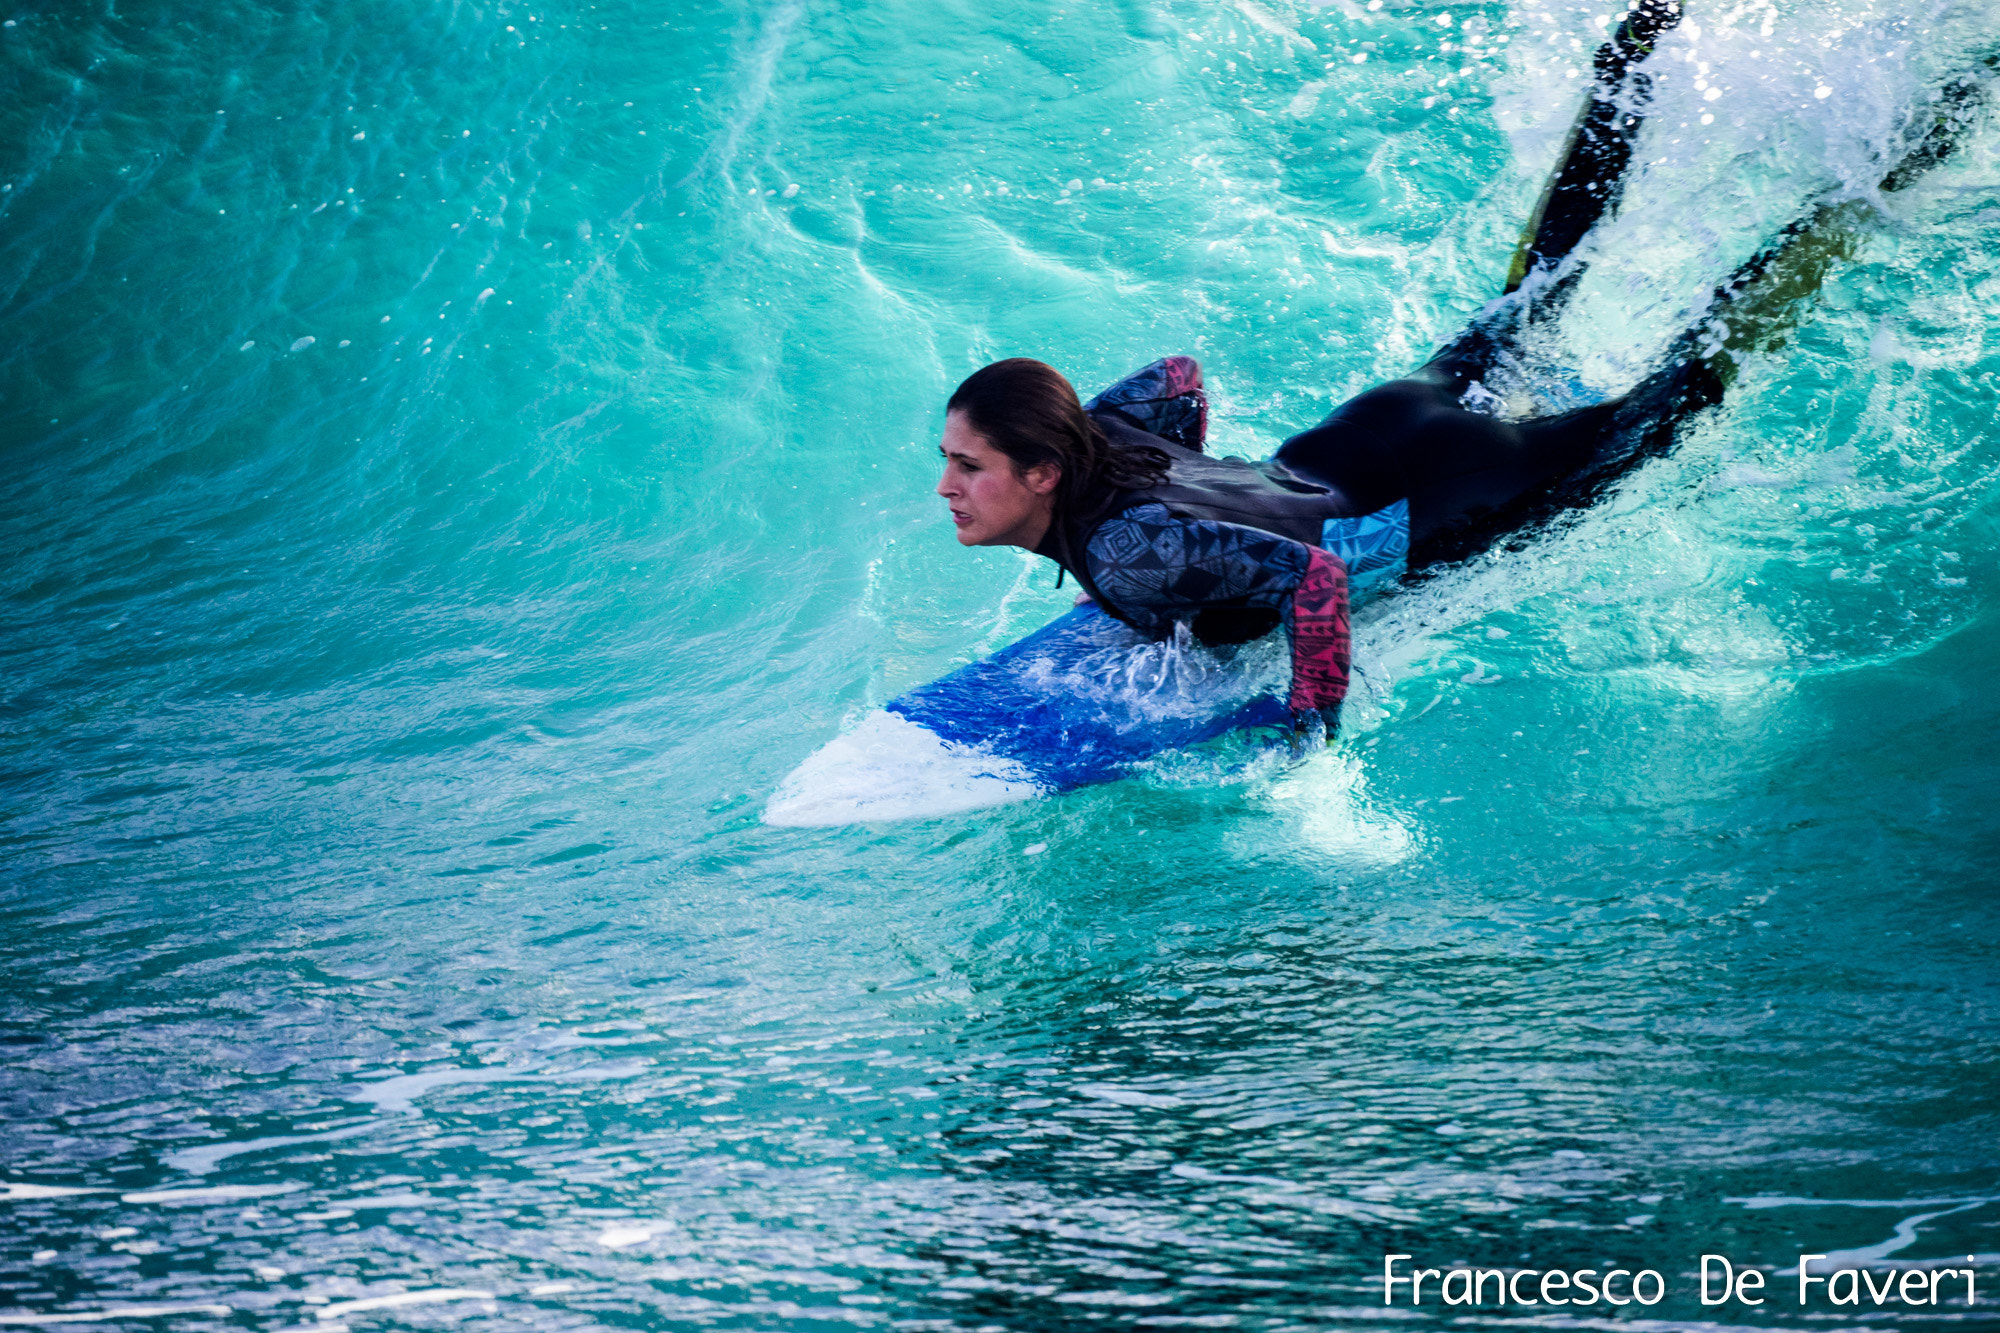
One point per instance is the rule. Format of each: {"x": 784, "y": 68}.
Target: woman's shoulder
{"x": 1163, "y": 399}
{"x": 1167, "y": 378}
{"x": 1123, "y": 430}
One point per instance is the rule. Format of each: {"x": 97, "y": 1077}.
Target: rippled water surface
{"x": 461, "y": 456}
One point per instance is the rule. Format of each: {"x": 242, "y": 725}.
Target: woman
{"x": 1119, "y": 493}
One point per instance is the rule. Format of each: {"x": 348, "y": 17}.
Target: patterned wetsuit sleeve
{"x": 1164, "y": 398}
{"x": 1320, "y": 646}
{"x": 1157, "y": 569}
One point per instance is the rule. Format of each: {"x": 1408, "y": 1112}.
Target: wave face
{"x": 462, "y": 457}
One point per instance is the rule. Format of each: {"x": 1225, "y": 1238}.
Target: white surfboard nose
{"x": 888, "y": 767}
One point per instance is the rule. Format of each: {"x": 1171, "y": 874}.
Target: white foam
{"x": 212, "y": 1193}
{"x": 620, "y": 1238}
{"x": 431, "y": 1296}
{"x": 200, "y": 1161}
{"x": 1174, "y": 679}
{"x": 888, "y": 767}
{"x": 400, "y": 1092}
{"x": 114, "y": 1312}
{"x": 20, "y": 1189}
{"x": 1794, "y": 1201}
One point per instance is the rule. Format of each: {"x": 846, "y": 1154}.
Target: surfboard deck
{"x": 1084, "y": 699}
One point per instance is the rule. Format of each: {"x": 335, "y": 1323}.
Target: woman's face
{"x": 993, "y": 503}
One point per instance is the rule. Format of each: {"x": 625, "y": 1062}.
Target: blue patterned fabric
{"x": 1165, "y": 398}
{"x": 1157, "y": 569}
{"x": 1374, "y": 547}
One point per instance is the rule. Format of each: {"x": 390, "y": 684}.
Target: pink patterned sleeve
{"x": 1320, "y": 645}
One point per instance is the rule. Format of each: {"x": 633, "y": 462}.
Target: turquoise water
{"x": 388, "y": 717}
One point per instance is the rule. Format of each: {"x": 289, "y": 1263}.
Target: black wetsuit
{"x": 1460, "y": 471}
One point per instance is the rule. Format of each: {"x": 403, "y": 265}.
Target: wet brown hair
{"x": 1029, "y": 412}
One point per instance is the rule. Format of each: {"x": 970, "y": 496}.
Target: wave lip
{"x": 889, "y": 767}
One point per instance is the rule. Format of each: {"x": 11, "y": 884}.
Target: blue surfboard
{"x": 1084, "y": 699}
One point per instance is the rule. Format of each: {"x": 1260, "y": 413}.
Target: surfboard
{"x": 1084, "y": 699}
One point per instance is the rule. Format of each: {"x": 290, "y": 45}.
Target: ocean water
{"x": 460, "y": 457}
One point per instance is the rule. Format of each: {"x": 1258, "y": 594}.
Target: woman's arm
{"x": 1154, "y": 569}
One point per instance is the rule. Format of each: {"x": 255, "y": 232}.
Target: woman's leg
{"x": 1410, "y": 440}
{"x": 1464, "y": 503}
{"x": 1466, "y": 476}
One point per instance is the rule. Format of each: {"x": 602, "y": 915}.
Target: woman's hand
{"x": 1312, "y": 728}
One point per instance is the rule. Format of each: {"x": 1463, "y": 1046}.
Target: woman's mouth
{"x": 960, "y": 517}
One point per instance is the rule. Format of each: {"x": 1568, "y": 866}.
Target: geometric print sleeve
{"x": 1319, "y": 638}
{"x": 1157, "y": 569}
{"x": 1165, "y": 398}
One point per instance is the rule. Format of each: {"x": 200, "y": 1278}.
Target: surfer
{"x": 1119, "y": 493}
{"x": 1412, "y": 473}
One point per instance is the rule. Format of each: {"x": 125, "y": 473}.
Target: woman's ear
{"x": 1042, "y": 478}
